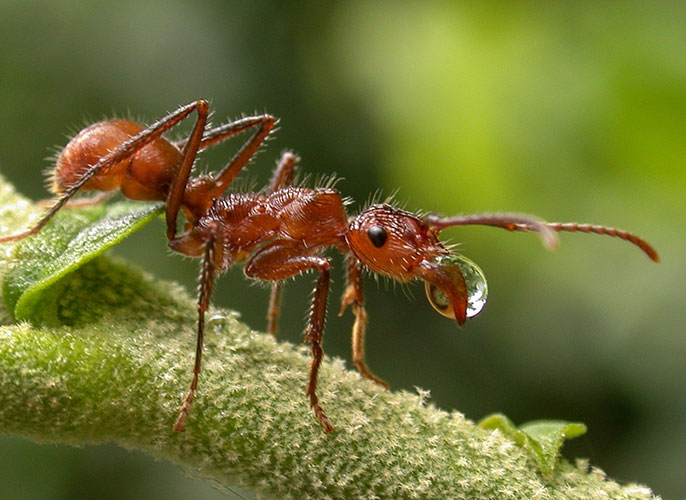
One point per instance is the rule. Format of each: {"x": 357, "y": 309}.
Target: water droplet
{"x": 216, "y": 322}
{"x": 477, "y": 288}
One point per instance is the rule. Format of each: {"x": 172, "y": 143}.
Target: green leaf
{"x": 543, "y": 439}
{"x": 71, "y": 238}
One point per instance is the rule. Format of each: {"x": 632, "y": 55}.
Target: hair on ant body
{"x": 279, "y": 232}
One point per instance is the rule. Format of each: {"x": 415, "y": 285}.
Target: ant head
{"x": 403, "y": 246}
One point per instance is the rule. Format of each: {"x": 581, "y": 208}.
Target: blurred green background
{"x": 571, "y": 111}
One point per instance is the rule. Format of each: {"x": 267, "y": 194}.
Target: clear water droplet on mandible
{"x": 477, "y": 287}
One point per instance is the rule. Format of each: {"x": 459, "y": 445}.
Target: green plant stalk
{"x": 115, "y": 363}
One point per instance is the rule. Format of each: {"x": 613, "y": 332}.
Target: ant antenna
{"x": 525, "y": 223}
{"x": 509, "y": 221}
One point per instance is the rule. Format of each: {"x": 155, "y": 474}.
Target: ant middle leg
{"x": 353, "y": 296}
{"x": 282, "y": 177}
{"x": 283, "y": 173}
{"x": 278, "y": 261}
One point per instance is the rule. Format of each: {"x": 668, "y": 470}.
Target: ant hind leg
{"x": 263, "y": 123}
{"x": 91, "y": 201}
{"x": 120, "y": 153}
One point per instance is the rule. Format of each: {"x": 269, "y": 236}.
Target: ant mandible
{"x": 281, "y": 231}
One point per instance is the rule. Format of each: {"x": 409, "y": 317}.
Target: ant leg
{"x": 315, "y": 333}
{"x": 523, "y": 222}
{"x": 273, "y": 310}
{"x": 206, "y": 281}
{"x": 226, "y": 131}
{"x": 265, "y": 124}
{"x": 283, "y": 173}
{"x": 277, "y": 262}
{"x": 283, "y": 176}
{"x": 353, "y": 295}
{"x": 91, "y": 201}
{"x": 117, "y": 155}
{"x": 178, "y": 185}
{"x": 213, "y": 188}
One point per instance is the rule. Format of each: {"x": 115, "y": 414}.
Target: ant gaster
{"x": 282, "y": 231}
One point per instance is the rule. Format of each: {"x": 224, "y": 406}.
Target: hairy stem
{"x": 113, "y": 365}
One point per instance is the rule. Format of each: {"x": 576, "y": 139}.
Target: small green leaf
{"x": 71, "y": 238}
{"x": 543, "y": 439}
{"x": 505, "y": 425}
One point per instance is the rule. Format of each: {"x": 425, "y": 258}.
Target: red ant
{"x": 281, "y": 231}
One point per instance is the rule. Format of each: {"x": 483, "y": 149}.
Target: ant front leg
{"x": 282, "y": 177}
{"x": 353, "y": 296}
{"x": 278, "y": 261}
{"x": 123, "y": 152}
{"x": 206, "y": 280}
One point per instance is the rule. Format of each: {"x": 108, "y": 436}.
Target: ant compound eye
{"x": 377, "y": 235}
{"x": 477, "y": 289}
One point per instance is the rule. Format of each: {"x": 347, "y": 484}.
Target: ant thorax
{"x": 294, "y": 216}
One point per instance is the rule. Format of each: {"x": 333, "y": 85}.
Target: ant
{"x": 281, "y": 231}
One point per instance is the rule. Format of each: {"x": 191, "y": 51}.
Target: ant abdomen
{"x": 146, "y": 175}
